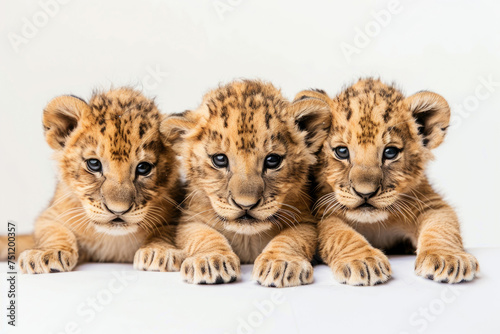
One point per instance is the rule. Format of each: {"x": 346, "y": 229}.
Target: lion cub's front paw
{"x": 158, "y": 259}
{"x": 370, "y": 267}
{"x": 446, "y": 266}
{"x": 274, "y": 271}
{"x": 38, "y": 261}
{"x": 211, "y": 268}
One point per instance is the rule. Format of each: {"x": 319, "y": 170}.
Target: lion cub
{"x": 373, "y": 192}
{"x": 118, "y": 182}
{"x": 247, "y": 152}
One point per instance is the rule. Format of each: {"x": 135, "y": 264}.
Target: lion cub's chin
{"x": 367, "y": 216}
{"x": 115, "y": 229}
{"x": 248, "y": 228}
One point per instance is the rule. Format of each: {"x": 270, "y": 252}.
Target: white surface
{"x": 162, "y": 303}
{"x": 445, "y": 46}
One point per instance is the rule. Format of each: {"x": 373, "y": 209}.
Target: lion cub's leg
{"x": 352, "y": 259}
{"x": 159, "y": 252}
{"x": 210, "y": 259}
{"x": 56, "y": 250}
{"x": 286, "y": 260}
{"x": 440, "y": 253}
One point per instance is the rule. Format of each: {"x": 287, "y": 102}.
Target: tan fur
{"x": 120, "y": 128}
{"x": 22, "y": 243}
{"x": 247, "y": 121}
{"x": 367, "y": 118}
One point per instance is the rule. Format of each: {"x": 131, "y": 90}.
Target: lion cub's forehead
{"x": 124, "y": 122}
{"x": 246, "y": 116}
{"x": 368, "y": 111}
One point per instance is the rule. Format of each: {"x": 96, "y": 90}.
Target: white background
{"x": 449, "y": 47}
{"x": 93, "y": 300}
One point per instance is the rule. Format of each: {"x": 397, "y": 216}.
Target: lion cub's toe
{"x": 371, "y": 267}
{"x": 446, "y": 266}
{"x": 38, "y": 261}
{"x": 158, "y": 259}
{"x": 273, "y": 271}
{"x": 211, "y": 268}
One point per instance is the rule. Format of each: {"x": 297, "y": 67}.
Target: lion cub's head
{"x": 377, "y": 147}
{"x": 247, "y": 152}
{"x": 112, "y": 158}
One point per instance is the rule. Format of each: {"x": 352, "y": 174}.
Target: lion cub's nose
{"x": 246, "y": 203}
{"x": 365, "y": 195}
{"x": 118, "y": 209}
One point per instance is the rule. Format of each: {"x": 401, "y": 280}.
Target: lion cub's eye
{"x": 220, "y": 161}
{"x": 143, "y": 168}
{"x": 272, "y": 161}
{"x": 341, "y": 152}
{"x": 94, "y": 165}
{"x": 391, "y": 152}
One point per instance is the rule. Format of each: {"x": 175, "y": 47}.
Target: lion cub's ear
{"x": 312, "y": 113}
{"x": 174, "y": 127}
{"x": 432, "y": 114}
{"x": 60, "y": 118}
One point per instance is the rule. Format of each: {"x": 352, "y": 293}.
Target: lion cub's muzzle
{"x": 246, "y": 197}
{"x": 118, "y": 198}
{"x": 365, "y": 184}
